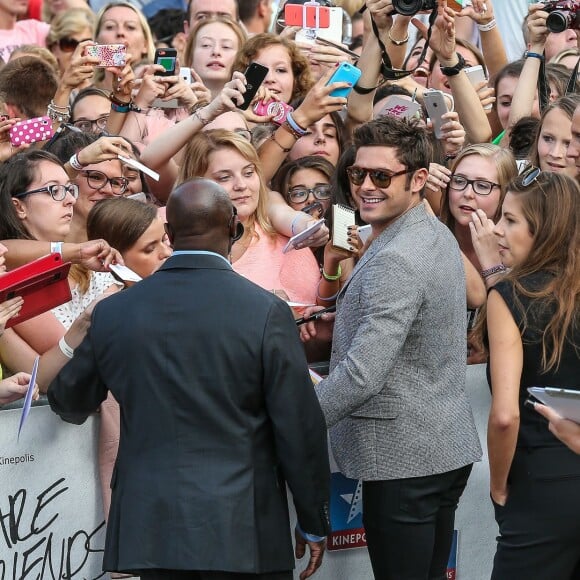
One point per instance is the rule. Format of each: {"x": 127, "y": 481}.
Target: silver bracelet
{"x": 498, "y": 269}
{"x": 75, "y": 163}
{"x": 65, "y": 348}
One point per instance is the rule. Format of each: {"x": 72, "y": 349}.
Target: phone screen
{"x": 167, "y": 62}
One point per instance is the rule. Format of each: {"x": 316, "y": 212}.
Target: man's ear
{"x": 263, "y": 8}
{"x": 419, "y": 180}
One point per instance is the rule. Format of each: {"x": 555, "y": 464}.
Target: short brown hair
{"x": 410, "y": 140}
{"x": 28, "y": 83}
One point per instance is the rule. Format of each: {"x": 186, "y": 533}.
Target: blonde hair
{"x": 70, "y": 22}
{"x": 192, "y": 37}
{"x": 142, "y": 21}
{"x": 505, "y": 165}
{"x": 196, "y": 160}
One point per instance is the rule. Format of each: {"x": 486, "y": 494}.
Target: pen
{"x": 315, "y": 316}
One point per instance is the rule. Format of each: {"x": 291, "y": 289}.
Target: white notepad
{"x": 342, "y": 217}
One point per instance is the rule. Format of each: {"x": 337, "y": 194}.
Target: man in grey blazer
{"x": 394, "y": 400}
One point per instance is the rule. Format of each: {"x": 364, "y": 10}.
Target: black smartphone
{"x": 255, "y": 75}
{"x": 167, "y": 58}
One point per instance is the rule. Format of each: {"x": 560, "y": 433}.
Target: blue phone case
{"x": 347, "y": 73}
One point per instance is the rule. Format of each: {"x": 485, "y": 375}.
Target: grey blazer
{"x": 395, "y": 398}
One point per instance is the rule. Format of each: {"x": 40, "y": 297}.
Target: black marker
{"x": 315, "y": 316}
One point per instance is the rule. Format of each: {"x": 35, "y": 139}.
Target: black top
{"x": 533, "y": 427}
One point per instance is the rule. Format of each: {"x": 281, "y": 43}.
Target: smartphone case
{"x": 167, "y": 58}
{"x": 109, "y": 54}
{"x": 31, "y": 131}
{"x": 279, "y": 109}
{"x": 347, "y": 73}
{"x": 42, "y": 283}
{"x": 436, "y": 107}
{"x": 255, "y": 75}
{"x": 307, "y": 16}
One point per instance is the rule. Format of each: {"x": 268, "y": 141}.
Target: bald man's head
{"x": 199, "y": 213}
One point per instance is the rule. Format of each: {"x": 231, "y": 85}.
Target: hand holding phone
{"x": 436, "y": 107}
{"x": 346, "y": 73}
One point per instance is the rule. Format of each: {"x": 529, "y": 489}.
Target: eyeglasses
{"x": 299, "y": 194}
{"x": 98, "y": 180}
{"x": 379, "y": 177}
{"x": 92, "y": 125}
{"x": 480, "y": 186}
{"x": 57, "y": 192}
{"x": 530, "y": 175}
{"x": 69, "y": 44}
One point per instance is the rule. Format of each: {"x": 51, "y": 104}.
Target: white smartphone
{"x": 185, "y": 74}
{"x": 475, "y": 74}
{"x": 436, "y": 107}
{"x": 566, "y": 402}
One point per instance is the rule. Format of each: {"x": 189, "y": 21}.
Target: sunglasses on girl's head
{"x": 379, "y": 177}
{"x": 69, "y": 44}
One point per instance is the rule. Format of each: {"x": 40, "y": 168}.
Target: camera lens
{"x": 558, "y": 21}
{"x": 408, "y": 7}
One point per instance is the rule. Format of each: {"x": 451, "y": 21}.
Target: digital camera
{"x": 563, "y": 14}
{"x": 279, "y": 109}
{"x": 411, "y": 7}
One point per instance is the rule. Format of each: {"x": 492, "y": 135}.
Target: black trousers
{"x": 539, "y": 525}
{"x": 211, "y": 575}
{"x": 409, "y": 524}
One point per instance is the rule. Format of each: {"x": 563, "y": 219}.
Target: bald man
{"x": 218, "y": 412}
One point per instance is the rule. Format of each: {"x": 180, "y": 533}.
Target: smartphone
{"x": 255, "y": 75}
{"x": 31, "y": 131}
{"x": 475, "y": 74}
{"x": 185, "y": 74}
{"x": 436, "y": 107}
{"x": 347, "y": 73}
{"x": 108, "y": 54}
{"x": 167, "y": 58}
{"x": 307, "y": 16}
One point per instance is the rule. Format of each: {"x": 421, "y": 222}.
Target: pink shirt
{"x": 297, "y": 272}
{"x": 24, "y": 32}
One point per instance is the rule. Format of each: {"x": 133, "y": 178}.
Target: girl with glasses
{"x": 37, "y": 201}
{"x": 533, "y": 331}
{"x": 470, "y": 206}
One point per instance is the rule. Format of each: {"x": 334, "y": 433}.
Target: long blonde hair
{"x": 196, "y": 160}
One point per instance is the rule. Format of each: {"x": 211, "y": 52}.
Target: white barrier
{"x": 51, "y": 521}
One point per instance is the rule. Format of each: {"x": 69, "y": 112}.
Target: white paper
{"x": 134, "y": 163}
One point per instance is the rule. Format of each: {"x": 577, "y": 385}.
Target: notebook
{"x": 42, "y": 283}
{"x": 342, "y": 217}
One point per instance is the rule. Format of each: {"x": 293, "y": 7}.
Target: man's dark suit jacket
{"x": 217, "y": 411}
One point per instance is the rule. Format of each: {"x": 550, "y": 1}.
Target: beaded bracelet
{"x": 329, "y": 278}
{"x": 289, "y": 130}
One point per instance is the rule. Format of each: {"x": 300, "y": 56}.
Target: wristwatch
{"x": 451, "y": 71}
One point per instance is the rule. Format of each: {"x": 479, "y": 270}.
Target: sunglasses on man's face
{"x": 69, "y": 44}
{"x": 380, "y": 178}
